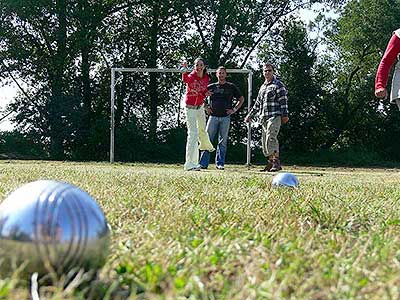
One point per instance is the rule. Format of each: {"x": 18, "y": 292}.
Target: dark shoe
{"x": 268, "y": 167}
{"x": 203, "y": 167}
{"x": 276, "y": 165}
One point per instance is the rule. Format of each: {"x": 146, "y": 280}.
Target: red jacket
{"x": 196, "y": 88}
{"x": 392, "y": 50}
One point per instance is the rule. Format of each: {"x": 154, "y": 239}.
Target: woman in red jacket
{"x": 196, "y": 91}
{"x": 392, "y": 52}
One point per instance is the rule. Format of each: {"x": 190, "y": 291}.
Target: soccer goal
{"x": 115, "y": 71}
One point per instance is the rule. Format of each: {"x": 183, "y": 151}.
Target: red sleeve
{"x": 207, "y": 81}
{"x": 382, "y": 74}
{"x": 186, "y": 78}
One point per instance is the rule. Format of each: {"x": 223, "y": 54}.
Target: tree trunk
{"x": 215, "y": 56}
{"x": 86, "y": 93}
{"x": 56, "y": 75}
{"x": 152, "y": 63}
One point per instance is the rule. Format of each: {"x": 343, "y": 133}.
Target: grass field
{"x": 228, "y": 235}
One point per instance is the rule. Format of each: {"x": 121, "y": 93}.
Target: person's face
{"x": 199, "y": 66}
{"x": 221, "y": 74}
{"x": 268, "y": 73}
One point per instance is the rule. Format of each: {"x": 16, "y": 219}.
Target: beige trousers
{"x": 197, "y": 136}
{"x": 269, "y": 137}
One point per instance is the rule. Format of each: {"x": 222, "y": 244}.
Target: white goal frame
{"x": 166, "y": 70}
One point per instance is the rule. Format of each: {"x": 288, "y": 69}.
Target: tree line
{"x": 59, "y": 54}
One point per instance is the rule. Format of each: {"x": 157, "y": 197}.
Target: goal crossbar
{"x": 173, "y": 70}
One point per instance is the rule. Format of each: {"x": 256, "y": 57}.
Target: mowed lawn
{"x": 228, "y": 235}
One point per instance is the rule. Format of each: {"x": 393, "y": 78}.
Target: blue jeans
{"x": 220, "y": 126}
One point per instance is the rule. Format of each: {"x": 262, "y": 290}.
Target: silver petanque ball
{"x": 285, "y": 180}
{"x": 51, "y": 226}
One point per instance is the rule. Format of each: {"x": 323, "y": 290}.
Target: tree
{"x": 52, "y": 46}
{"x": 36, "y": 49}
{"x": 230, "y": 31}
{"x": 358, "y": 50}
{"x": 293, "y": 54}
{"x": 156, "y": 42}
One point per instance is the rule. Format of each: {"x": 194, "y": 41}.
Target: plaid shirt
{"x": 271, "y": 100}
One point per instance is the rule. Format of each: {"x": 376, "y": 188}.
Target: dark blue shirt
{"x": 221, "y": 98}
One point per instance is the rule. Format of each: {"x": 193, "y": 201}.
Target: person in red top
{"x": 196, "y": 90}
{"x": 392, "y": 52}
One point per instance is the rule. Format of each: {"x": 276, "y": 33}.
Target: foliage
{"x": 358, "y": 114}
{"x": 50, "y": 45}
{"x": 231, "y": 30}
{"x": 331, "y": 102}
{"x": 60, "y": 54}
{"x": 17, "y": 145}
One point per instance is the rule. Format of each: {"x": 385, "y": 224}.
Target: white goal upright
{"x": 166, "y": 70}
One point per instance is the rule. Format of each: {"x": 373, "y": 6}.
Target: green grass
{"x": 228, "y": 235}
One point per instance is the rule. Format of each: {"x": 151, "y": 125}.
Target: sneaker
{"x": 219, "y": 167}
{"x": 194, "y": 169}
{"x": 203, "y": 167}
{"x": 268, "y": 167}
{"x": 276, "y": 165}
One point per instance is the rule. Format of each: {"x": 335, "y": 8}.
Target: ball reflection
{"x": 52, "y": 226}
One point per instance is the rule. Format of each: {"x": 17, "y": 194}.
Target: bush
{"x": 16, "y": 145}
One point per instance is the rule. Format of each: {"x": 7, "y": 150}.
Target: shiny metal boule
{"x": 285, "y": 180}
{"x": 52, "y": 226}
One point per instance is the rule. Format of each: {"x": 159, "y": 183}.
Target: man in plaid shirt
{"x": 272, "y": 105}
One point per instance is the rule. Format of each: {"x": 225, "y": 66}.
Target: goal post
{"x": 114, "y": 71}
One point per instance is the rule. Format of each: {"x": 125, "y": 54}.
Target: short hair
{"x": 268, "y": 64}
{"x": 221, "y": 68}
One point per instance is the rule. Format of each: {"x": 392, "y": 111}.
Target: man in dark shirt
{"x": 220, "y": 109}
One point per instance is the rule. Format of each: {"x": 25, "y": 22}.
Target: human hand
{"x": 247, "y": 119}
{"x": 381, "y": 93}
{"x": 285, "y": 120}
{"x": 184, "y": 67}
{"x": 230, "y": 111}
{"x": 208, "y": 110}
{"x": 208, "y": 93}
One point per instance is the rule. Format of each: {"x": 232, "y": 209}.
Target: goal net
{"x": 116, "y": 82}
